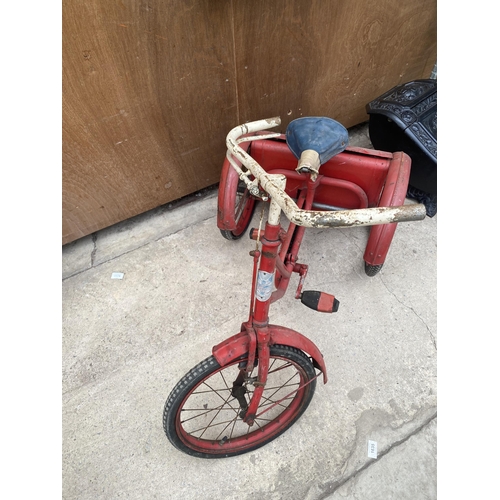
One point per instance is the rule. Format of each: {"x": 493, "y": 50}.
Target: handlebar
{"x": 274, "y": 185}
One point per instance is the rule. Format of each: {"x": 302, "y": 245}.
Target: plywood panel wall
{"x": 151, "y": 88}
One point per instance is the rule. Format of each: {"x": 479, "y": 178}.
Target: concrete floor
{"x": 126, "y": 342}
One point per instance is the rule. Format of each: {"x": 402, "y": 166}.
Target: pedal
{"x": 320, "y": 301}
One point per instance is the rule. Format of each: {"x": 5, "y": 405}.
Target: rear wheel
{"x": 203, "y": 414}
{"x": 244, "y": 205}
{"x": 371, "y": 270}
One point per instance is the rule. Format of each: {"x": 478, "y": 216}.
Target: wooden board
{"x": 329, "y": 58}
{"x": 147, "y": 102}
{"x": 151, "y": 88}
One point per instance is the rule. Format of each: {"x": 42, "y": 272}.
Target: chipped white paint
{"x": 274, "y": 207}
{"x": 275, "y": 187}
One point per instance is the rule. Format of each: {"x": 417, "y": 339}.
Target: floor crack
{"x": 94, "y": 250}
{"x": 433, "y": 339}
{"x": 331, "y": 488}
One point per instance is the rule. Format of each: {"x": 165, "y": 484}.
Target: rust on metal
{"x": 269, "y": 255}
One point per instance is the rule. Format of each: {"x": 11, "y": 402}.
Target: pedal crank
{"x": 301, "y": 270}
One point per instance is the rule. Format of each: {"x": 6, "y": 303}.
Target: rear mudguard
{"x": 394, "y": 194}
{"x": 237, "y": 345}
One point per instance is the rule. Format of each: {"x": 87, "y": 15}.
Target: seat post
{"x": 309, "y": 162}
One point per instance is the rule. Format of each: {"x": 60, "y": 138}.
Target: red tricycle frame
{"x": 355, "y": 178}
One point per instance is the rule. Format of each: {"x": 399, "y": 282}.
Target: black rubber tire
{"x": 229, "y": 235}
{"x": 372, "y": 270}
{"x": 260, "y": 435}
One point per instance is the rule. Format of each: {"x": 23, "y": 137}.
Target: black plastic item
{"x": 429, "y": 200}
{"x": 405, "y": 119}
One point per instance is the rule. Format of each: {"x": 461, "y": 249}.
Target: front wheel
{"x": 203, "y": 414}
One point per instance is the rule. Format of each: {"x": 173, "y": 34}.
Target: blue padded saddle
{"x": 325, "y": 136}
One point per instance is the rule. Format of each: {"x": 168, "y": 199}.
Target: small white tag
{"x": 117, "y": 276}
{"x": 372, "y": 449}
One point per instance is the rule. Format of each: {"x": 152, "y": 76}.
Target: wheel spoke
{"x": 210, "y": 423}
{"x": 270, "y": 402}
{"x": 233, "y": 421}
{"x": 217, "y": 408}
{"x": 224, "y": 380}
{"x": 282, "y": 367}
{"x": 210, "y": 426}
{"x": 240, "y": 205}
{"x": 215, "y": 392}
{"x": 286, "y": 397}
{"x": 265, "y": 419}
{"x": 284, "y": 385}
{"x": 232, "y": 430}
{"x": 221, "y": 407}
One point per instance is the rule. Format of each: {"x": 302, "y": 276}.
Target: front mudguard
{"x": 237, "y": 345}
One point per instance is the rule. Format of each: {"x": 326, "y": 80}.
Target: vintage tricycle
{"x": 257, "y": 383}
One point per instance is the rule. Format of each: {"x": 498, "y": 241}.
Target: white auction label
{"x": 372, "y": 449}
